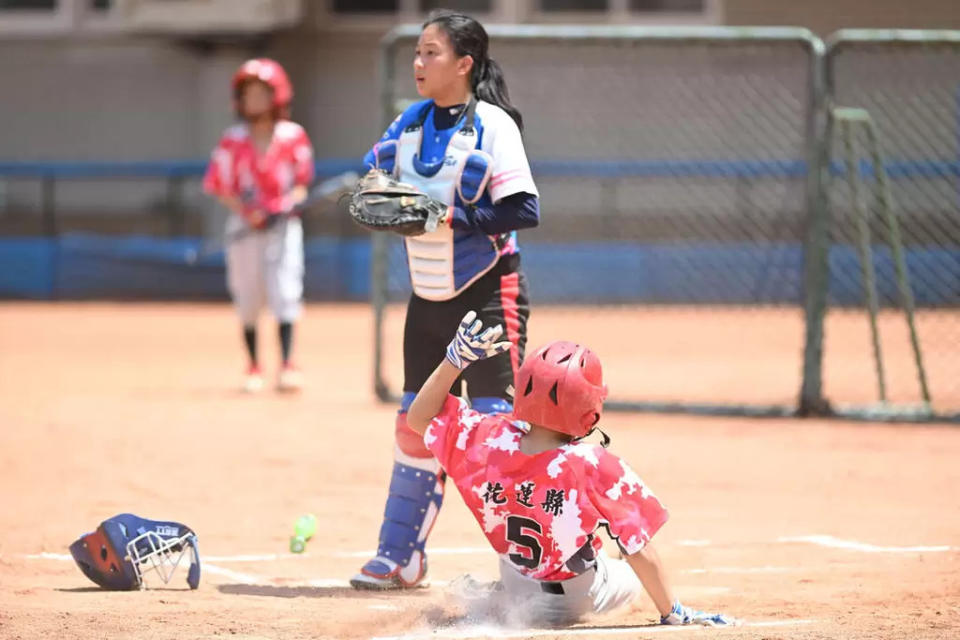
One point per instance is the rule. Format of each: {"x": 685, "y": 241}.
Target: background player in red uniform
{"x": 539, "y": 492}
{"x": 260, "y": 171}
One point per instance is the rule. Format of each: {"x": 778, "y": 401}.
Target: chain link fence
{"x": 672, "y": 170}
{"x": 893, "y": 326}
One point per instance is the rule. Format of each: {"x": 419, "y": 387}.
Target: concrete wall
{"x": 112, "y": 97}
{"x": 826, "y": 16}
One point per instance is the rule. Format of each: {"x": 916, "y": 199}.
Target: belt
{"x": 555, "y": 588}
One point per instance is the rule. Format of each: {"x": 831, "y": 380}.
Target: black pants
{"x": 498, "y": 297}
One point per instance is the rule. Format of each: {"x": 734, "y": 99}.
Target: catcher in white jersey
{"x": 539, "y": 493}
{"x": 260, "y": 171}
{"x": 461, "y": 146}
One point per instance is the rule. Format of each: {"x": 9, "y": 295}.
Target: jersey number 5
{"x": 516, "y": 535}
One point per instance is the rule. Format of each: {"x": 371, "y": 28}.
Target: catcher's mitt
{"x": 381, "y": 203}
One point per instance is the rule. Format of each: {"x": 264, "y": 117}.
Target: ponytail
{"x": 490, "y": 86}
{"x": 469, "y": 38}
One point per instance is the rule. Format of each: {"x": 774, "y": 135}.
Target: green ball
{"x": 305, "y": 526}
{"x": 297, "y": 544}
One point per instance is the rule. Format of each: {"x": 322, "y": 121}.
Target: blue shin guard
{"x": 485, "y": 404}
{"x": 413, "y": 502}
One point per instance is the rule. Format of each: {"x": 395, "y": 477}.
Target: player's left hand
{"x": 683, "y": 615}
{"x": 382, "y": 203}
{"x": 472, "y": 343}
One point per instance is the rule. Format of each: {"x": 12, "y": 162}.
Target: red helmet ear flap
{"x": 589, "y": 419}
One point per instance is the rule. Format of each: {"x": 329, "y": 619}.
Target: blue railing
{"x": 73, "y": 265}
{"x": 174, "y": 172}
{"x": 586, "y": 168}
{"x": 140, "y": 169}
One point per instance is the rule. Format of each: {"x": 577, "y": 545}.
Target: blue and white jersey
{"x": 476, "y": 162}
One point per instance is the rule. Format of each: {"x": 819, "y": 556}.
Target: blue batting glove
{"x": 470, "y": 345}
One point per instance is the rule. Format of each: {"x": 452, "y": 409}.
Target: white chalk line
{"x": 694, "y": 543}
{"x": 434, "y": 551}
{"x": 253, "y": 557}
{"x": 495, "y": 632}
{"x": 245, "y": 578}
{"x": 738, "y": 570}
{"x": 46, "y": 555}
{"x": 821, "y": 540}
{"x": 854, "y": 545}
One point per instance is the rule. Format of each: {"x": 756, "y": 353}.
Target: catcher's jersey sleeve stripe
{"x": 506, "y": 176}
{"x": 501, "y": 139}
{"x": 516, "y": 211}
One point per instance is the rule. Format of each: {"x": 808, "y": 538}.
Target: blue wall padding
{"x": 27, "y": 267}
{"x": 89, "y": 266}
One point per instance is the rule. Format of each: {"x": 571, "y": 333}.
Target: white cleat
{"x": 382, "y": 574}
{"x": 252, "y": 380}
{"x": 290, "y": 379}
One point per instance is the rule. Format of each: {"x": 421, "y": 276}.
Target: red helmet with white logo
{"x": 269, "y": 72}
{"x": 560, "y": 387}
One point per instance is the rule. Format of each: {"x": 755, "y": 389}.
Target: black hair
{"x": 469, "y": 38}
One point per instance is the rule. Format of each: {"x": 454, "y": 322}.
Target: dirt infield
{"x": 818, "y": 529}
{"x": 743, "y": 355}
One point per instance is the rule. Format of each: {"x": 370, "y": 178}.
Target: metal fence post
{"x": 816, "y": 249}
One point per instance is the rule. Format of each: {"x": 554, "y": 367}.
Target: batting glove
{"x": 470, "y": 345}
{"x": 682, "y": 615}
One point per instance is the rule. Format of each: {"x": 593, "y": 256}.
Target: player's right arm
{"x": 471, "y": 343}
{"x": 633, "y": 515}
{"x": 646, "y": 564}
{"x": 432, "y": 396}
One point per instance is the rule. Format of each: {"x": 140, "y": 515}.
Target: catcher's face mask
{"x": 126, "y": 551}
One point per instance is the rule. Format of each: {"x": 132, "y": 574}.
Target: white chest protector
{"x": 445, "y": 262}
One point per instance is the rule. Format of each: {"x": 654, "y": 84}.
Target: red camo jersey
{"x": 541, "y": 512}
{"x": 262, "y": 182}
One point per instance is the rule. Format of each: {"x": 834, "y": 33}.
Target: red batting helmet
{"x": 560, "y": 387}
{"x": 269, "y": 72}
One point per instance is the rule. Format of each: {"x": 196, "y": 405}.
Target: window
{"x": 466, "y": 6}
{"x": 667, "y": 6}
{"x": 28, "y": 4}
{"x": 573, "y": 5}
{"x": 366, "y": 6}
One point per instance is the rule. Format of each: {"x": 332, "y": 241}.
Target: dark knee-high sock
{"x": 286, "y": 340}
{"x": 250, "y": 339}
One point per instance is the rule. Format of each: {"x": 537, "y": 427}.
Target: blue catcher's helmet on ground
{"x": 126, "y": 548}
